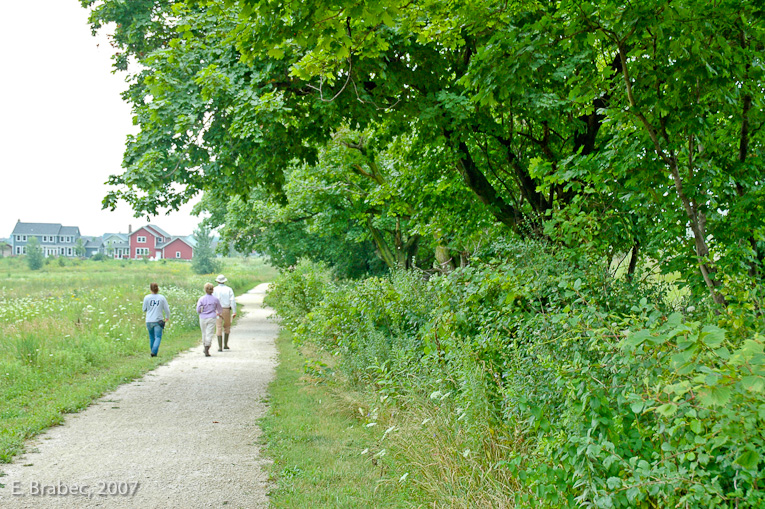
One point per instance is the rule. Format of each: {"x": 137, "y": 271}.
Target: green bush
{"x": 298, "y": 290}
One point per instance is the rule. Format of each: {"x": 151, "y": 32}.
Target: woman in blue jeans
{"x": 156, "y": 308}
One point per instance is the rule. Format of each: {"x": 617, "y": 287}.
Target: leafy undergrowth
{"x": 530, "y": 380}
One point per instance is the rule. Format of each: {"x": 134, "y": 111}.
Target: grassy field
{"x": 74, "y": 330}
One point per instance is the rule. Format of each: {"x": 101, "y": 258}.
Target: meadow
{"x": 74, "y": 330}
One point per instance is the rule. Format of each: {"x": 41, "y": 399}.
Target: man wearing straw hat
{"x": 227, "y": 301}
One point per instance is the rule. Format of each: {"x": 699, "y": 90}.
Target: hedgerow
{"x": 619, "y": 397}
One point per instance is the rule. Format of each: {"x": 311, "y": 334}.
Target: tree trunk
{"x": 633, "y": 261}
{"x": 480, "y": 185}
{"x": 444, "y": 259}
{"x": 697, "y": 221}
{"x": 383, "y": 249}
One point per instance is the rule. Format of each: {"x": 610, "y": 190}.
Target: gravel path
{"x": 184, "y": 436}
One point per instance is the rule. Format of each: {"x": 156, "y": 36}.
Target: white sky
{"x": 63, "y": 124}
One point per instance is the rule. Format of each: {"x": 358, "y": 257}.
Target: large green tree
{"x": 611, "y": 126}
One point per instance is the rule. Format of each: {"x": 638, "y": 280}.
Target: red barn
{"x": 178, "y": 249}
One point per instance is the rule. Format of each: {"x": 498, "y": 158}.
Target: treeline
{"x": 568, "y": 195}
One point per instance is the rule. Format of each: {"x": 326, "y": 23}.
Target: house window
{"x": 69, "y": 251}
{"x": 140, "y": 251}
{"x": 177, "y": 254}
{"x": 23, "y": 238}
{"x": 18, "y": 250}
{"x": 140, "y": 240}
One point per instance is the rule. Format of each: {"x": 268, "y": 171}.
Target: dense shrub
{"x": 619, "y": 400}
{"x": 299, "y": 290}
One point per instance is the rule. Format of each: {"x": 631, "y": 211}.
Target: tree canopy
{"x": 419, "y": 129}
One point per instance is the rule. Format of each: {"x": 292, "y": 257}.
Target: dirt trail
{"x": 184, "y": 436}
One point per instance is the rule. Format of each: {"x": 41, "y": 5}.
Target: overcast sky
{"x": 63, "y": 123}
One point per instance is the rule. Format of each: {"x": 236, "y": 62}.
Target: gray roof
{"x": 69, "y": 230}
{"x": 92, "y": 241}
{"x": 182, "y": 239}
{"x": 159, "y": 230}
{"x": 36, "y": 228}
{"x": 124, "y": 236}
{"x": 116, "y": 238}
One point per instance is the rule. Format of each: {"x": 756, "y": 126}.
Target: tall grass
{"x": 70, "y": 332}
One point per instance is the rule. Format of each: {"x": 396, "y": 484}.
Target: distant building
{"x": 149, "y": 241}
{"x": 115, "y": 245}
{"x": 5, "y": 248}
{"x": 153, "y": 242}
{"x": 92, "y": 245}
{"x": 54, "y": 239}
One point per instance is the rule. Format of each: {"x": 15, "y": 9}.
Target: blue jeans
{"x": 155, "y": 336}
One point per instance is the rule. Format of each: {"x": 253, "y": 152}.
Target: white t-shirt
{"x": 154, "y": 305}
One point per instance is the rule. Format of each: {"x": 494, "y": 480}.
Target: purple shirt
{"x": 208, "y": 306}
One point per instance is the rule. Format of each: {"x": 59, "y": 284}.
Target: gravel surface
{"x": 183, "y": 436}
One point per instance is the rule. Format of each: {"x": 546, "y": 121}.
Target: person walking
{"x": 157, "y": 316}
{"x": 208, "y": 309}
{"x": 228, "y": 302}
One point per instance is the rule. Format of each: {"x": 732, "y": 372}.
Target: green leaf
{"x": 613, "y": 483}
{"x": 276, "y": 53}
{"x": 681, "y": 358}
{"x": 753, "y": 383}
{"x": 636, "y": 338}
{"x": 667, "y": 410}
{"x": 712, "y": 336}
{"x": 748, "y": 351}
{"x": 716, "y": 395}
{"x": 748, "y": 460}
